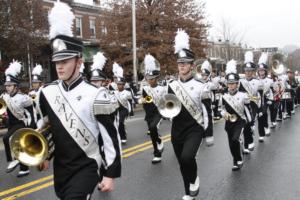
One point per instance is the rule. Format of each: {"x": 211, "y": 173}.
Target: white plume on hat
{"x": 263, "y": 58}
{"x": 117, "y": 70}
{"x": 14, "y": 68}
{"x": 248, "y": 57}
{"x": 149, "y": 63}
{"x": 81, "y": 68}
{"x": 231, "y": 67}
{"x": 206, "y": 65}
{"x": 99, "y": 61}
{"x": 61, "y": 20}
{"x": 181, "y": 41}
{"x": 37, "y": 70}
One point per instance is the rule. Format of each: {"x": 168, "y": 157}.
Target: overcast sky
{"x": 266, "y": 23}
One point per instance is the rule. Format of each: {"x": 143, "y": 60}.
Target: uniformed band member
{"x": 98, "y": 77}
{"x": 266, "y": 95}
{"x": 151, "y": 95}
{"x": 20, "y": 114}
{"x": 113, "y": 85}
{"x": 216, "y": 90}
{"x": 123, "y": 96}
{"x": 250, "y": 85}
{"x": 79, "y": 116}
{"x": 37, "y": 83}
{"x": 274, "y": 106}
{"x": 293, "y": 82}
{"x": 188, "y": 126}
{"x": 236, "y": 111}
{"x": 286, "y": 98}
{"x": 207, "y": 99}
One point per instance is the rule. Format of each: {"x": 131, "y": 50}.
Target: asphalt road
{"x": 271, "y": 172}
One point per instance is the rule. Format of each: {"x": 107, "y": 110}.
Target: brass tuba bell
{"x": 31, "y": 147}
{"x": 277, "y": 68}
{"x": 3, "y": 106}
{"x": 169, "y": 106}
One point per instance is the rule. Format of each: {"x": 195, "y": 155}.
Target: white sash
{"x": 122, "y": 101}
{"x": 151, "y": 93}
{"x": 247, "y": 87}
{"x": 72, "y": 122}
{"x": 237, "y": 107}
{"x": 187, "y": 102}
{"x": 15, "y": 109}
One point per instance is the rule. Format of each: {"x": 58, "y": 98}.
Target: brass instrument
{"x": 169, "y": 106}
{"x": 277, "y": 68}
{"x": 230, "y": 117}
{"x": 147, "y": 99}
{"x": 32, "y": 147}
{"x": 253, "y": 98}
{"x": 3, "y": 106}
{"x": 33, "y": 97}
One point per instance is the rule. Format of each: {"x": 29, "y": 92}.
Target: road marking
{"x": 126, "y": 153}
{"x": 141, "y": 145}
{"x": 26, "y": 192}
{"x": 26, "y": 185}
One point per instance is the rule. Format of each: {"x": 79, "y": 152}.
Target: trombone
{"x": 3, "y": 106}
{"x": 32, "y": 147}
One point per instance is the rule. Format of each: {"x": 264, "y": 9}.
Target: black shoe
{"x": 194, "y": 188}
{"x": 237, "y": 166}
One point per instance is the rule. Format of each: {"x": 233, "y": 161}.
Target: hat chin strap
{"x": 71, "y": 76}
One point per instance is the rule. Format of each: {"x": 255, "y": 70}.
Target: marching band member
{"x": 286, "y": 99}
{"x": 79, "y": 116}
{"x": 207, "y": 99}
{"x": 113, "y": 85}
{"x": 216, "y": 80}
{"x": 188, "y": 126}
{"x": 37, "y": 83}
{"x": 251, "y": 86}
{"x": 293, "y": 82}
{"x": 266, "y": 97}
{"x": 153, "y": 92}
{"x": 98, "y": 77}
{"x": 123, "y": 96}
{"x": 236, "y": 111}
{"x": 277, "y": 91}
{"x": 20, "y": 114}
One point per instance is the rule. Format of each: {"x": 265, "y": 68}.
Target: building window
{"x": 92, "y": 28}
{"x": 103, "y": 28}
{"x": 78, "y": 26}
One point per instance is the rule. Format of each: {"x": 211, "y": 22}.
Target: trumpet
{"x": 230, "y": 117}
{"x": 147, "y": 99}
{"x": 169, "y": 106}
{"x": 3, "y": 106}
{"x": 32, "y": 147}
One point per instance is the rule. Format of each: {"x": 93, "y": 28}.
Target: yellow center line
{"x": 26, "y": 185}
{"x": 141, "y": 145}
{"x": 26, "y": 192}
{"x": 126, "y": 153}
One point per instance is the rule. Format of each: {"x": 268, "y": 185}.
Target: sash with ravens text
{"x": 72, "y": 122}
{"x": 15, "y": 109}
{"x": 237, "y": 107}
{"x": 187, "y": 102}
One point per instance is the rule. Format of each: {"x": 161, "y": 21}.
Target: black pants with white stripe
{"x": 123, "y": 114}
{"x": 6, "y": 139}
{"x": 248, "y": 128}
{"x": 185, "y": 151}
{"x": 273, "y": 110}
{"x": 234, "y": 131}
{"x": 153, "y": 128}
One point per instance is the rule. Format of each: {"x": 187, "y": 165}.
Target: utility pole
{"x": 134, "y": 42}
